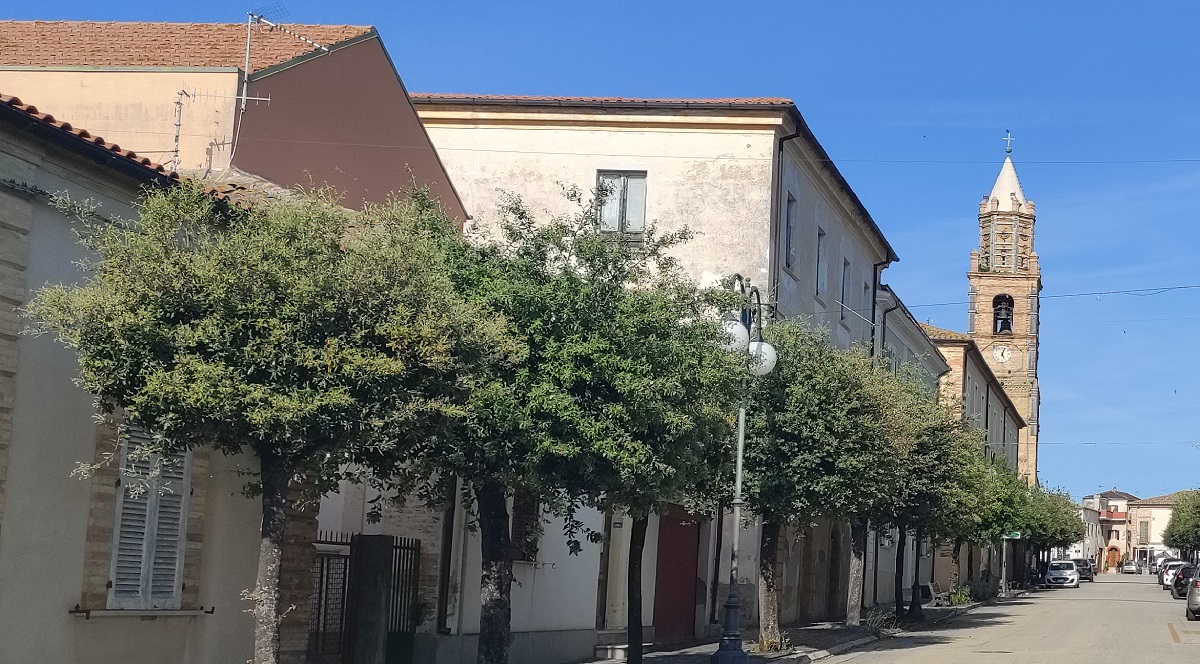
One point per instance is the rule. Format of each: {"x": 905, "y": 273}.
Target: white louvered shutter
{"x": 151, "y": 531}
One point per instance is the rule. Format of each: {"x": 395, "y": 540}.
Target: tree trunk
{"x": 495, "y": 586}
{"x": 275, "y": 477}
{"x": 956, "y": 561}
{"x": 970, "y": 562}
{"x": 769, "y": 638}
{"x": 914, "y": 604}
{"x": 854, "y": 590}
{"x": 901, "y": 545}
{"x": 633, "y": 587}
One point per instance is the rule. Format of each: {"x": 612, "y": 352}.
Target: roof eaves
{"x": 83, "y": 142}
{"x": 324, "y": 50}
{"x": 823, "y": 156}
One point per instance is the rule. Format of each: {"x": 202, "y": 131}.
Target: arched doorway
{"x": 1113, "y": 557}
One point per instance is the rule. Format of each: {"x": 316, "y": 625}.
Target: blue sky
{"x": 910, "y": 99}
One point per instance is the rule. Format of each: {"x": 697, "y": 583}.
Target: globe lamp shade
{"x": 736, "y": 335}
{"x": 762, "y": 358}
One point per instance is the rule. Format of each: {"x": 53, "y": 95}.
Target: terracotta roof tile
{"x": 84, "y": 136}
{"x": 100, "y": 44}
{"x": 1166, "y": 499}
{"x": 434, "y": 97}
{"x": 943, "y": 334}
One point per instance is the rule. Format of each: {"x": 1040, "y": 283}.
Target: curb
{"x": 840, "y": 648}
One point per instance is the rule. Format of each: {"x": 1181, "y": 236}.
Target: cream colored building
{"x": 1148, "y": 518}
{"x": 765, "y": 201}
{"x": 1115, "y": 530}
{"x": 89, "y": 573}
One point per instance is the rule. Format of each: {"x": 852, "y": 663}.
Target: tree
{"x": 816, "y": 446}
{"x": 1052, "y": 519}
{"x": 938, "y": 498}
{"x": 1183, "y": 528}
{"x": 305, "y": 334}
{"x": 622, "y": 397}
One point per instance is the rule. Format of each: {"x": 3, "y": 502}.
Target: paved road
{"x": 1118, "y": 619}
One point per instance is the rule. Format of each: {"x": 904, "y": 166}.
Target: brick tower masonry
{"x": 1005, "y": 286}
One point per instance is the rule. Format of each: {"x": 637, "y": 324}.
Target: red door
{"x": 676, "y": 577}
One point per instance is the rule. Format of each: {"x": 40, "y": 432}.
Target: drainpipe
{"x": 882, "y": 340}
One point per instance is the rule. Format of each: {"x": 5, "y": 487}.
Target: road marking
{"x": 1174, "y": 634}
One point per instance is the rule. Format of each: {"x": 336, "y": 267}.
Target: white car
{"x": 1130, "y": 568}
{"x": 1062, "y": 574}
{"x": 1168, "y": 572}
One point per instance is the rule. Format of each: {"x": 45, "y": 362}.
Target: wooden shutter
{"x": 148, "y": 544}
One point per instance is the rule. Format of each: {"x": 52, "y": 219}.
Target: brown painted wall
{"x": 341, "y": 119}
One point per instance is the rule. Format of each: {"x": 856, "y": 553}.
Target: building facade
{"x": 1113, "y": 508}
{"x": 1092, "y": 546}
{"x": 764, "y": 200}
{"x": 91, "y": 572}
{"x": 1148, "y": 518}
{"x": 303, "y": 106}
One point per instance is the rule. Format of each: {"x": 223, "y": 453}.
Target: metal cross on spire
{"x": 1008, "y": 141}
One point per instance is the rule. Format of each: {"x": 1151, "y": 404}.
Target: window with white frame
{"x": 789, "y": 234}
{"x": 151, "y": 527}
{"x": 623, "y": 208}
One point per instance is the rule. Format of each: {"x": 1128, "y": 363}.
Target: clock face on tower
{"x": 1002, "y": 353}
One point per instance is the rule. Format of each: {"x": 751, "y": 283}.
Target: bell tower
{"x": 1005, "y": 286}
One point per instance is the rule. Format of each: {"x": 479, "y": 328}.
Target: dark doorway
{"x": 675, "y": 576}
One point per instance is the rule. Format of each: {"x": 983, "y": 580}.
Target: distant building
{"x": 1148, "y": 518}
{"x": 1113, "y": 509}
{"x": 1092, "y": 544}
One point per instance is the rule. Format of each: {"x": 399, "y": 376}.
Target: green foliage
{"x": 960, "y": 596}
{"x": 1051, "y": 519}
{"x": 981, "y": 590}
{"x": 818, "y": 439}
{"x": 621, "y": 395}
{"x": 1183, "y": 529}
{"x": 306, "y": 333}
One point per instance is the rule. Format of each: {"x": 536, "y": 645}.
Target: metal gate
{"x": 327, "y": 626}
{"x": 403, "y": 615}
{"x": 330, "y": 627}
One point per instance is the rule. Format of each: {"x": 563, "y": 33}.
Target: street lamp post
{"x": 742, "y": 333}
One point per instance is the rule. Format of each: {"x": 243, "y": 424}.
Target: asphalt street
{"x": 1116, "y": 620}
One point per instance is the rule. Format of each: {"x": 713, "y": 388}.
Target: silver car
{"x": 1168, "y": 572}
{"x": 1062, "y": 574}
{"x": 1192, "y": 610}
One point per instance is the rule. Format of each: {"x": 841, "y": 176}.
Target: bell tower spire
{"x": 1005, "y": 285}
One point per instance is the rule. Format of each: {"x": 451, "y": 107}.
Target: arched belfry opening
{"x": 1002, "y": 314}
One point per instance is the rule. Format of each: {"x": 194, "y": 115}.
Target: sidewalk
{"x": 810, "y": 643}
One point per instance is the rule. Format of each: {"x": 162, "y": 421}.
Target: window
{"x": 789, "y": 234}
{"x": 1002, "y": 314}
{"x": 866, "y": 299}
{"x": 844, "y": 301}
{"x": 150, "y": 531}
{"x": 623, "y": 209}
{"x": 1144, "y": 532}
{"x": 526, "y": 526}
{"x": 821, "y": 266}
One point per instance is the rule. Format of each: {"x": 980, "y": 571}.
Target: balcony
{"x": 1113, "y": 516}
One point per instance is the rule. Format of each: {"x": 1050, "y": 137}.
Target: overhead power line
{"x": 1137, "y": 292}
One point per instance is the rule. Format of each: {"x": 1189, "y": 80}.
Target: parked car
{"x": 1130, "y": 567}
{"x": 1191, "y": 610}
{"x": 1154, "y": 567}
{"x": 1162, "y": 567}
{"x": 1168, "y": 572}
{"x": 1062, "y": 574}
{"x": 1086, "y": 571}
{"x": 1182, "y": 579}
